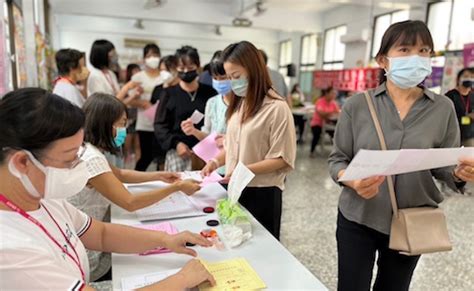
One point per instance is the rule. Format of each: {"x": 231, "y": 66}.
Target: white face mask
{"x": 166, "y": 76}
{"x": 59, "y": 183}
{"x": 152, "y": 62}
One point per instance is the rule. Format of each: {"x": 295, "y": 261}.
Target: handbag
{"x": 414, "y": 231}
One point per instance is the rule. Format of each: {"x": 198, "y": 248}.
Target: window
{"x": 381, "y": 24}
{"x": 285, "y": 59}
{"x": 334, "y": 49}
{"x": 308, "y": 52}
{"x": 448, "y": 22}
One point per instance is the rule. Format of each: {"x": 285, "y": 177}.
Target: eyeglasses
{"x": 71, "y": 165}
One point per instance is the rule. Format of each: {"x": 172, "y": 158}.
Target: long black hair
{"x": 32, "y": 119}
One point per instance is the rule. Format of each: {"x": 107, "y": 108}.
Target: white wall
{"x": 79, "y": 32}
{"x": 359, "y": 18}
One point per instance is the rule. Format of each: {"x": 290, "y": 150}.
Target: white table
{"x": 277, "y": 267}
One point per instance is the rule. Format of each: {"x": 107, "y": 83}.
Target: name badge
{"x": 465, "y": 120}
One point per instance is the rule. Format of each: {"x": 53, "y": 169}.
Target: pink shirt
{"x": 322, "y": 104}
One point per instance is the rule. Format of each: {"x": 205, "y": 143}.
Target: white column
{"x": 30, "y": 45}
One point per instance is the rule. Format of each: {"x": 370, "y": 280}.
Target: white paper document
{"x": 196, "y": 117}
{"x": 368, "y": 163}
{"x": 140, "y": 281}
{"x": 177, "y": 205}
{"x": 241, "y": 177}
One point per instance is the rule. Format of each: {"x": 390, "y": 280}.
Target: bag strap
{"x": 383, "y": 145}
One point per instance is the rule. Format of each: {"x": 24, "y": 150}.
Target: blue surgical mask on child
{"x": 221, "y": 86}
{"x": 408, "y": 72}
{"x": 120, "y": 136}
{"x": 239, "y": 86}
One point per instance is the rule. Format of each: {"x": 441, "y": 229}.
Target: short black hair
{"x": 32, "y": 119}
{"x": 151, "y": 47}
{"x": 171, "y": 62}
{"x": 99, "y": 56}
{"x": 187, "y": 54}
{"x": 216, "y": 66}
{"x": 264, "y": 55}
{"x": 67, "y": 60}
{"x": 102, "y": 111}
{"x": 470, "y": 70}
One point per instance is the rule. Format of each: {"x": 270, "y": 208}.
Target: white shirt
{"x": 95, "y": 205}
{"x": 70, "y": 92}
{"x": 148, "y": 84}
{"x": 100, "y": 82}
{"x": 30, "y": 260}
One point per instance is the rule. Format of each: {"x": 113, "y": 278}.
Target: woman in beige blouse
{"x": 260, "y": 134}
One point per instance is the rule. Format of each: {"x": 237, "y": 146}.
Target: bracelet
{"x": 215, "y": 161}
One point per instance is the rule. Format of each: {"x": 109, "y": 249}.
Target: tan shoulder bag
{"x": 414, "y": 231}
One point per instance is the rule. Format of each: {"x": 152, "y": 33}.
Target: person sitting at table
{"x": 44, "y": 238}
{"x": 296, "y": 99}
{"x": 326, "y": 110}
{"x": 105, "y": 131}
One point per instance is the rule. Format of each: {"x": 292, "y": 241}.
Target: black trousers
{"x": 300, "y": 121}
{"x": 150, "y": 149}
{"x": 265, "y": 204}
{"x": 316, "y": 135}
{"x": 356, "y": 249}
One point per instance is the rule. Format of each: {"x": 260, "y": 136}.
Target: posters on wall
{"x": 20, "y": 49}
{"x": 468, "y": 54}
{"x": 359, "y": 79}
{"x": 453, "y": 64}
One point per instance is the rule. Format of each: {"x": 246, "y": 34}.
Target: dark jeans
{"x": 150, "y": 149}
{"x": 265, "y": 204}
{"x": 356, "y": 248}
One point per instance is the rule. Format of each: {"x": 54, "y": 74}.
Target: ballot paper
{"x": 167, "y": 227}
{"x": 368, "y": 163}
{"x": 140, "y": 281}
{"x": 176, "y": 205}
{"x": 241, "y": 177}
{"x": 236, "y": 274}
{"x": 151, "y": 112}
{"x": 196, "y": 117}
{"x": 214, "y": 177}
{"x": 207, "y": 148}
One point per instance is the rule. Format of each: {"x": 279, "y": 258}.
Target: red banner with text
{"x": 347, "y": 80}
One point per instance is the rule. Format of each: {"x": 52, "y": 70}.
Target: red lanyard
{"x": 63, "y": 78}
{"x": 466, "y": 102}
{"x": 23, "y": 213}
{"x": 109, "y": 80}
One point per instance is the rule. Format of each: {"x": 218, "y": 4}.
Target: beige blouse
{"x": 270, "y": 134}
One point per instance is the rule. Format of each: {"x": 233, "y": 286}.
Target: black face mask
{"x": 467, "y": 83}
{"x": 189, "y": 76}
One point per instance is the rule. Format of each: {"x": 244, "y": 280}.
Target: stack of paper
{"x": 177, "y": 205}
{"x": 214, "y": 177}
{"x": 236, "y": 274}
{"x": 140, "y": 281}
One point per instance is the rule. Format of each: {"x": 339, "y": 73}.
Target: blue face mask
{"x": 408, "y": 72}
{"x": 221, "y": 86}
{"x": 239, "y": 86}
{"x": 120, "y": 136}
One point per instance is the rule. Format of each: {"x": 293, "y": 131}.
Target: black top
{"x": 460, "y": 104}
{"x": 176, "y": 106}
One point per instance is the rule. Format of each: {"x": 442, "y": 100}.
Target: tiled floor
{"x": 309, "y": 225}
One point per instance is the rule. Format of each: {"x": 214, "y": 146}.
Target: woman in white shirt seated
{"x": 105, "y": 131}
{"x": 71, "y": 70}
{"x": 44, "y": 238}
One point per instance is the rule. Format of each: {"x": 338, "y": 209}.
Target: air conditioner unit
{"x": 363, "y": 36}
